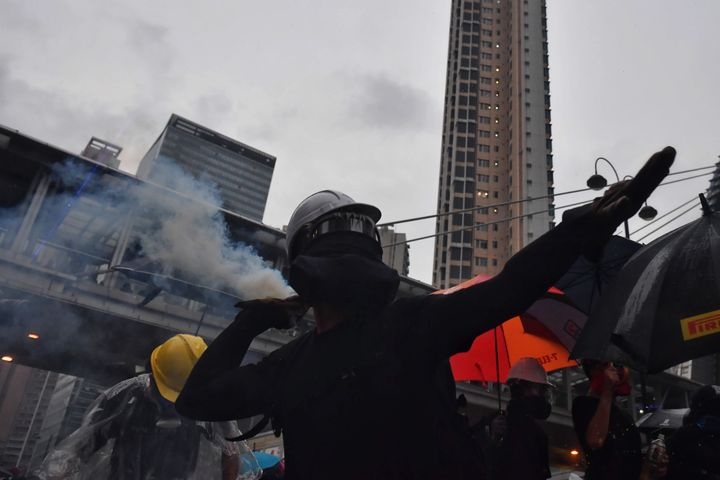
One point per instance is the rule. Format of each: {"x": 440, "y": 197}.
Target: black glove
{"x": 272, "y": 312}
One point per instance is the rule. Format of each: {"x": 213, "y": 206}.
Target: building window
{"x": 485, "y": 80}
{"x": 484, "y": 133}
{"x": 483, "y": 193}
{"x": 486, "y": 68}
{"x": 484, "y": 178}
{"x": 494, "y": 262}
{"x": 481, "y": 261}
{"x": 484, "y": 164}
{"x": 484, "y": 120}
{"x": 484, "y": 148}
{"x": 486, "y": 44}
{"x": 494, "y": 244}
{"x": 481, "y": 244}
{"x": 484, "y": 93}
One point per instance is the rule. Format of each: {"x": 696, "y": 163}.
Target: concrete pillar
{"x": 39, "y": 189}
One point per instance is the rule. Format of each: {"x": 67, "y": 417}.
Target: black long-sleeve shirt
{"x": 361, "y": 400}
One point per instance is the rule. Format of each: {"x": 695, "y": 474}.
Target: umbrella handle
{"x": 497, "y": 370}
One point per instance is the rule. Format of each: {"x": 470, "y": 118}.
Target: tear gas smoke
{"x": 184, "y": 235}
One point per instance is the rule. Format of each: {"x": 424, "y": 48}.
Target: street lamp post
{"x": 598, "y": 182}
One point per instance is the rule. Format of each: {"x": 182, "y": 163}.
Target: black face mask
{"x": 344, "y": 269}
{"x": 533, "y": 405}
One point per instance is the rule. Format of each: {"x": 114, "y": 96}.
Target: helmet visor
{"x": 343, "y": 222}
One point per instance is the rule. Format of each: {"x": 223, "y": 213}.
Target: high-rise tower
{"x": 496, "y": 146}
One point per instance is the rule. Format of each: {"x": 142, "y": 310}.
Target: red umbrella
{"x": 546, "y": 331}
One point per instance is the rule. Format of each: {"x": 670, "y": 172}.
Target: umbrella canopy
{"x": 586, "y": 280}
{"x": 547, "y": 332}
{"x": 664, "y": 306}
{"x": 662, "y": 419}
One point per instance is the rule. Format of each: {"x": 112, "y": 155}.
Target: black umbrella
{"x": 662, "y": 419}
{"x": 586, "y": 280}
{"x": 664, "y": 306}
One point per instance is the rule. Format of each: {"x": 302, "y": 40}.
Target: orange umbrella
{"x": 546, "y": 331}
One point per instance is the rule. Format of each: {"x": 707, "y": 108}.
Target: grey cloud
{"x": 62, "y": 120}
{"x": 382, "y": 103}
{"x": 150, "y": 43}
{"x": 144, "y": 34}
{"x": 214, "y": 103}
{"x": 15, "y": 16}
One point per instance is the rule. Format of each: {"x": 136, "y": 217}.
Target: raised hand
{"x": 281, "y": 313}
{"x": 624, "y": 199}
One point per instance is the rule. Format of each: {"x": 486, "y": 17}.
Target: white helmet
{"x": 530, "y": 370}
{"x": 319, "y": 205}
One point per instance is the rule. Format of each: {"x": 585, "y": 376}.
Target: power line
{"x": 465, "y": 210}
{"x": 476, "y": 225}
{"x": 693, "y": 199}
{"x": 686, "y": 178}
{"x": 512, "y": 202}
{"x": 449, "y": 232}
{"x": 691, "y": 170}
{"x": 669, "y": 221}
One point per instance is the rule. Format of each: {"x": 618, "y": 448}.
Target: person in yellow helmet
{"x": 133, "y": 432}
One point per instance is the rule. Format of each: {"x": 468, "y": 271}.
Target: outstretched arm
{"x": 459, "y": 317}
{"x": 218, "y": 388}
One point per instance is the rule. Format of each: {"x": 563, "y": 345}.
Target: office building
{"x": 496, "y": 144}
{"x": 24, "y": 396}
{"x": 396, "y": 253}
{"x": 66, "y": 409}
{"x": 103, "y": 152}
{"x": 242, "y": 173}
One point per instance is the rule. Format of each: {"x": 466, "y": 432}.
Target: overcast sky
{"x": 349, "y": 94}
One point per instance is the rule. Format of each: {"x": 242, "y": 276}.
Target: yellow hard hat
{"x": 172, "y": 362}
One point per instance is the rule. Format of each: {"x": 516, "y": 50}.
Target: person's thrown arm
{"x": 218, "y": 388}
{"x": 464, "y": 314}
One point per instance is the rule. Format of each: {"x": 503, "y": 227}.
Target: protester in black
{"x": 694, "y": 450}
{"x": 608, "y": 435}
{"x": 368, "y": 394}
{"x": 523, "y": 450}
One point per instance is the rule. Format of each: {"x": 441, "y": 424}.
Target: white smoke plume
{"x": 186, "y": 236}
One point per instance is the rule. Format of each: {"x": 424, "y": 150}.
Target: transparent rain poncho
{"x": 128, "y": 435}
